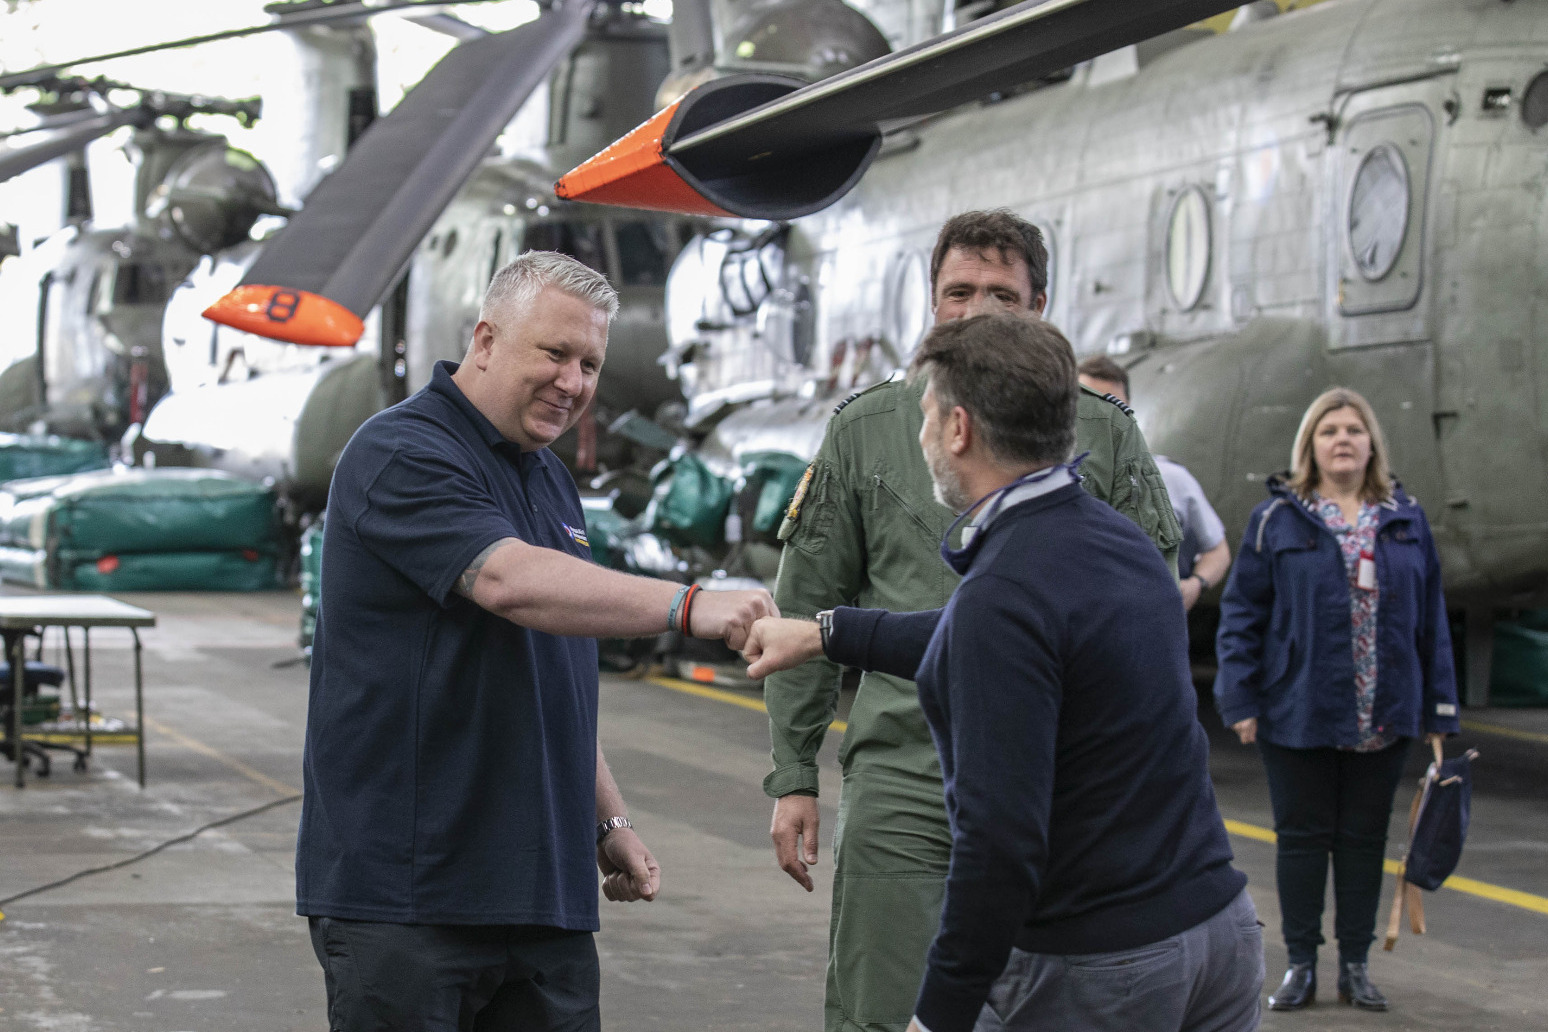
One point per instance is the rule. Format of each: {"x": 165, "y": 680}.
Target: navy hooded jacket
{"x": 1285, "y": 645}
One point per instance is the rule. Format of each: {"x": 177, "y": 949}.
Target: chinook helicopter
{"x": 90, "y": 364}
{"x": 1349, "y": 193}
{"x": 276, "y": 399}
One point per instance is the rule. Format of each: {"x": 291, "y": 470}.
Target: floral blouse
{"x": 1362, "y": 611}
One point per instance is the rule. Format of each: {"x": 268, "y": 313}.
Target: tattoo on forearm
{"x": 470, "y": 575}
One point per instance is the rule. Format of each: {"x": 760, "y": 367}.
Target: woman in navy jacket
{"x": 1334, "y": 656}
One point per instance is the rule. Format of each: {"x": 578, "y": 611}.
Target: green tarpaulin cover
{"x": 139, "y": 530}
{"x": 25, "y": 456}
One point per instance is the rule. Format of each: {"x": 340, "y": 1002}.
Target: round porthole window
{"x": 1534, "y": 102}
{"x": 1378, "y": 211}
{"x": 1187, "y": 248}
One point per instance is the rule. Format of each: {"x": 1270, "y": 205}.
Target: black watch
{"x": 825, "y": 628}
{"x": 1204, "y": 584}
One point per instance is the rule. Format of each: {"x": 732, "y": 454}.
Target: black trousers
{"x": 470, "y": 978}
{"x": 1331, "y": 803}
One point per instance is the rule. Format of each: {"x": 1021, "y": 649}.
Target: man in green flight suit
{"x": 865, "y": 529}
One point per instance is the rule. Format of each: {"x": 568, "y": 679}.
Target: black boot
{"x": 1354, "y": 986}
{"x": 1299, "y": 989}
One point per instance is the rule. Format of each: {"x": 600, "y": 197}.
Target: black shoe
{"x": 1299, "y": 989}
{"x": 1354, "y": 986}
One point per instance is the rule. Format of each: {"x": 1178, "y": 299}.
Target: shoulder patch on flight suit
{"x": 894, "y": 378}
{"x": 1114, "y": 399}
{"x": 840, "y": 407}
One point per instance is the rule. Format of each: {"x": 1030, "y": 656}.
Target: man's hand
{"x": 1191, "y": 590}
{"x": 795, "y": 836}
{"x": 629, "y": 871}
{"x": 1246, "y": 730}
{"x": 729, "y": 614}
{"x": 777, "y": 644}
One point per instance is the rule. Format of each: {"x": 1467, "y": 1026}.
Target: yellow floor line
{"x": 720, "y": 695}
{"x": 1484, "y": 890}
{"x": 1504, "y": 732}
{"x": 256, "y": 776}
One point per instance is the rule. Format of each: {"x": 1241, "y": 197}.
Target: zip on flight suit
{"x": 864, "y": 529}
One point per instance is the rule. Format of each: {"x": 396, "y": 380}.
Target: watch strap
{"x": 611, "y": 824}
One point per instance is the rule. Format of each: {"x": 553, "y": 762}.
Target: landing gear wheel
{"x": 80, "y": 765}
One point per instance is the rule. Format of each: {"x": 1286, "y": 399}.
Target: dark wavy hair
{"x": 1015, "y": 376}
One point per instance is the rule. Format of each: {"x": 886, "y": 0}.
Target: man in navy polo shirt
{"x": 456, "y": 796}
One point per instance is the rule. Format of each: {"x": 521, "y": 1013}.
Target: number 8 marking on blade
{"x": 282, "y": 306}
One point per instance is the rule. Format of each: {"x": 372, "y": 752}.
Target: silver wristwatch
{"x": 611, "y": 824}
{"x": 825, "y": 627}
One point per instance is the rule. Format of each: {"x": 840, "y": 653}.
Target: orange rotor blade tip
{"x": 296, "y": 316}
{"x": 634, "y": 173}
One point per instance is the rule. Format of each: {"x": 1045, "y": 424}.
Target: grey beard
{"x": 947, "y": 485}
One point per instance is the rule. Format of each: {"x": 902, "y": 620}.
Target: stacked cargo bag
{"x": 139, "y": 530}
{"x": 25, "y": 456}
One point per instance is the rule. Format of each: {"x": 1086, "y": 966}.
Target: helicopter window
{"x": 1534, "y": 102}
{"x": 140, "y": 284}
{"x": 450, "y": 244}
{"x": 1187, "y": 248}
{"x": 642, "y": 253}
{"x": 580, "y": 240}
{"x": 1378, "y": 211}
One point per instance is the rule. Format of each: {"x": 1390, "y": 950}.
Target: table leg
{"x": 139, "y": 706}
{"x": 82, "y": 720}
{"x": 86, "y": 663}
{"x": 16, "y": 653}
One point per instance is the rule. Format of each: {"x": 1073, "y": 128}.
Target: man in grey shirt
{"x": 1204, "y": 556}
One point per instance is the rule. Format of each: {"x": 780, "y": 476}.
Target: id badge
{"x": 1366, "y": 577}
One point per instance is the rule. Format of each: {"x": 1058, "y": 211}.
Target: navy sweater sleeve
{"x": 1004, "y": 670}
{"x": 876, "y": 640}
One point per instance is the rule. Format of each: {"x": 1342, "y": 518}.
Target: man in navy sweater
{"x": 1091, "y": 884}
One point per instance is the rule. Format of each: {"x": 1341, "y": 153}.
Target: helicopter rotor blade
{"x": 758, "y": 148}
{"x": 288, "y": 20}
{"x": 335, "y": 259}
{"x": 22, "y": 159}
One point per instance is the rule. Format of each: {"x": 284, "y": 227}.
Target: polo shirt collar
{"x": 441, "y": 382}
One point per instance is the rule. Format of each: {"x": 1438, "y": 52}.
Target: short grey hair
{"x": 520, "y": 282}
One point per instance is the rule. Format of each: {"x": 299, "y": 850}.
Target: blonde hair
{"x": 1303, "y": 462}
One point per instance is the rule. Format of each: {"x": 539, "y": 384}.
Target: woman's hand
{"x": 1246, "y": 730}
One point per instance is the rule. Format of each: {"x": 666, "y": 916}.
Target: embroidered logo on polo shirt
{"x": 576, "y": 535}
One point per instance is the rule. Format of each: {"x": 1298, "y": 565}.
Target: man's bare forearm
{"x": 549, "y": 591}
{"x": 610, "y": 802}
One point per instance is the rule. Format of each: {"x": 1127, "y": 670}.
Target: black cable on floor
{"x": 255, "y": 811}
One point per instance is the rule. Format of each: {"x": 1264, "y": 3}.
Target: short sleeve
{"x": 427, "y": 517}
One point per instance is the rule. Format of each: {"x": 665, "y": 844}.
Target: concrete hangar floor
{"x": 202, "y": 935}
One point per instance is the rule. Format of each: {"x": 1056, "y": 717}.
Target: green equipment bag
{"x": 24, "y": 456}
{"x": 225, "y": 570}
{"x": 139, "y": 510}
{"x": 773, "y": 476}
{"x": 689, "y": 503}
{"x": 311, "y": 580}
{"x": 1520, "y": 663}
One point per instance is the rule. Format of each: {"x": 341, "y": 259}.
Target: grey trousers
{"x": 1207, "y": 979}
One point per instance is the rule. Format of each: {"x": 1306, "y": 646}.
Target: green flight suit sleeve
{"x": 821, "y": 567}
{"x": 1121, "y": 472}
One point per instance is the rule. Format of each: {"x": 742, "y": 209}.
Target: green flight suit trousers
{"x": 891, "y": 850}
